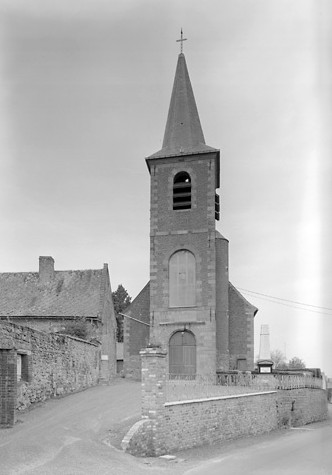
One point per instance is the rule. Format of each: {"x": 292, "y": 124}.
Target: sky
{"x": 85, "y": 87}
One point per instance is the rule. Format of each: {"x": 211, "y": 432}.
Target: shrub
{"x": 76, "y": 328}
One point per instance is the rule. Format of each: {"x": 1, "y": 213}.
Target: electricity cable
{"x": 285, "y": 300}
{"x": 248, "y": 293}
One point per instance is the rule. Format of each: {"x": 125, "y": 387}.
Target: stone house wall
{"x": 51, "y": 365}
{"x": 108, "y": 331}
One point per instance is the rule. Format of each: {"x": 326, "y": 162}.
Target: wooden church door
{"x": 182, "y": 354}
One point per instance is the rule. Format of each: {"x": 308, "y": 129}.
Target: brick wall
{"x": 241, "y": 331}
{"x": 222, "y": 304}
{"x": 183, "y": 424}
{"x": 52, "y": 364}
{"x": 8, "y": 380}
{"x": 193, "y": 230}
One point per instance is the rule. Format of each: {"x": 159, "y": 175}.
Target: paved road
{"x": 81, "y": 434}
{"x": 67, "y": 436}
{"x": 299, "y": 451}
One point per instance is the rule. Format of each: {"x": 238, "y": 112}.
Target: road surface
{"x": 305, "y": 450}
{"x": 81, "y": 434}
{"x": 70, "y": 435}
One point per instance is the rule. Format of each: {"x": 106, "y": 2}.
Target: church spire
{"x": 183, "y": 133}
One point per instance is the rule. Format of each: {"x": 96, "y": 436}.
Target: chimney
{"x": 46, "y": 269}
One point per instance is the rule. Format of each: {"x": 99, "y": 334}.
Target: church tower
{"x": 189, "y": 307}
{"x": 188, "y": 257}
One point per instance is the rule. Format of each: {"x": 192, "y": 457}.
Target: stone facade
{"x": 50, "y": 365}
{"x": 296, "y": 407}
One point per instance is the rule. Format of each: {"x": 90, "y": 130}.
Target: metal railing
{"x": 289, "y": 381}
{"x": 185, "y": 387}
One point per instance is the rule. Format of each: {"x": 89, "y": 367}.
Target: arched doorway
{"x": 182, "y": 354}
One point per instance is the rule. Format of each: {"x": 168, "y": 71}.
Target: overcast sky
{"x": 84, "y": 94}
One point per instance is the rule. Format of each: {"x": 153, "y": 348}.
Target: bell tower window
{"x": 182, "y": 191}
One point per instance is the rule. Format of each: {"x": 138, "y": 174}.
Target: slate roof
{"x": 231, "y": 288}
{"x": 70, "y": 293}
{"x": 183, "y": 133}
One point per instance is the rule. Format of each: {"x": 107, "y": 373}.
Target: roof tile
{"x": 70, "y": 293}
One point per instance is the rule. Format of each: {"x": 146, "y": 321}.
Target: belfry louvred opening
{"x": 182, "y": 191}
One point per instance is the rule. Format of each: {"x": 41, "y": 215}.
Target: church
{"x": 189, "y": 307}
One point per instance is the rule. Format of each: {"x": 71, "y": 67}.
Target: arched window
{"x": 182, "y": 191}
{"x": 182, "y": 279}
{"x": 182, "y": 354}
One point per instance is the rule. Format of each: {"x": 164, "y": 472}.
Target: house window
{"x": 182, "y": 279}
{"x": 19, "y": 367}
{"x": 23, "y": 370}
{"x": 182, "y": 191}
{"x": 182, "y": 355}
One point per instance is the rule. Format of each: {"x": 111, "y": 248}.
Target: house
{"x": 189, "y": 306}
{"x": 64, "y": 301}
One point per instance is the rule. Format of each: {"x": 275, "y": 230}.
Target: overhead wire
{"x": 286, "y": 302}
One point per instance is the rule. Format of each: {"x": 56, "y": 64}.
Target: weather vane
{"x": 181, "y": 40}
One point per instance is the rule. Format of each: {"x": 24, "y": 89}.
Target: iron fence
{"x": 186, "y": 387}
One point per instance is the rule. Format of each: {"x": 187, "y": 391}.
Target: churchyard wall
{"x": 35, "y": 366}
{"x": 179, "y": 424}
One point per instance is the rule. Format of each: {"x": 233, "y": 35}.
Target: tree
{"x": 76, "y": 328}
{"x": 121, "y": 300}
{"x": 279, "y": 359}
{"x": 296, "y": 363}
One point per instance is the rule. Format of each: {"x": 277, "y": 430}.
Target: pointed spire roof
{"x": 183, "y": 133}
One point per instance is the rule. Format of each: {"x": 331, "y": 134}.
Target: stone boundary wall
{"x": 51, "y": 364}
{"x": 297, "y": 407}
{"x": 168, "y": 426}
{"x": 193, "y": 423}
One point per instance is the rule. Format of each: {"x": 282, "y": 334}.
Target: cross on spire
{"x": 181, "y": 40}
